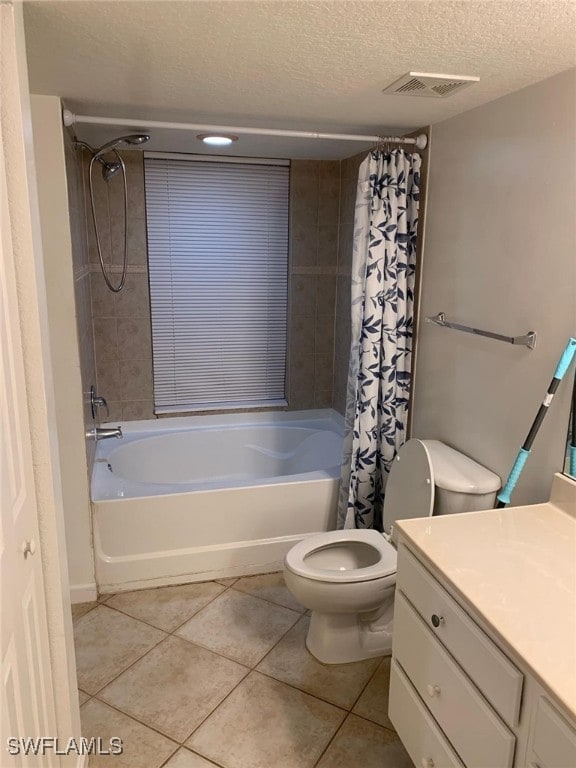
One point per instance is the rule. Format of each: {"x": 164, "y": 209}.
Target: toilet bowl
{"x": 347, "y": 578}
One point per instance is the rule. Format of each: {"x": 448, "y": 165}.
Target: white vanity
{"x": 484, "y": 651}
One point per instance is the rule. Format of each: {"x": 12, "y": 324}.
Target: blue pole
{"x": 563, "y": 365}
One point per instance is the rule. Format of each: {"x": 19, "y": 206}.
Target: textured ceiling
{"x": 300, "y": 65}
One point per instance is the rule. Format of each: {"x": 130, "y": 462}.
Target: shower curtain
{"x": 383, "y": 277}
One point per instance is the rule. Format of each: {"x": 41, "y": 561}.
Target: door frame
{"x": 32, "y": 306}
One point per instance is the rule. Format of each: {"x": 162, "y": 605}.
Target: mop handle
{"x": 563, "y": 365}
{"x": 572, "y": 447}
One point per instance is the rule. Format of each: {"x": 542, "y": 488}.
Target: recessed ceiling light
{"x": 217, "y": 140}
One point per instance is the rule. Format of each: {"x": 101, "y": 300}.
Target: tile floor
{"x": 217, "y": 674}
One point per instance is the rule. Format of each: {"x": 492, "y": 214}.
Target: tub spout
{"x": 102, "y": 433}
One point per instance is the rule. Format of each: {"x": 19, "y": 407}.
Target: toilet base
{"x": 342, "y": 638}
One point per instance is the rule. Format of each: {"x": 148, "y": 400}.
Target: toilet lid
{"x": 343, "y": 556}
{"x": 410, "y": 486}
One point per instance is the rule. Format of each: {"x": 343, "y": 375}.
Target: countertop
{"x": 517, "y": 568}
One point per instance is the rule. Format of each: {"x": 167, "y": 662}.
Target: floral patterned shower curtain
{"x": 383, "y": 277}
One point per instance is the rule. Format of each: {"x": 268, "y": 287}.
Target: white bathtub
{"x": 204, "y": 497}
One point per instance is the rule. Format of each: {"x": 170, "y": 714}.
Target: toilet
{"x": 347, "y": 578}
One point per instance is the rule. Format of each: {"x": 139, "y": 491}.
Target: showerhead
{"x": 109, "y": 170}
{"x": 133, "y": 138}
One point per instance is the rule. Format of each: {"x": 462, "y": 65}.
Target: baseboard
{"x": 83, "y": 593}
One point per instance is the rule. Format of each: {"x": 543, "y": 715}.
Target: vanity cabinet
{"x": 457, "y": 698}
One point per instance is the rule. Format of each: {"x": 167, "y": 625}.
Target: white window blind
{"x": 218, "y": 266}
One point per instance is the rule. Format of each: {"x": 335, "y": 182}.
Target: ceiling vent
{"x": 430, "y": 85}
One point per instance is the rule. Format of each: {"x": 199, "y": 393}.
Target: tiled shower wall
{"x": 314, "y": 212}
{"x": 81, "y": 271}
{"x": 348, "y": 183}
{"x": 122, "y": 332}
{"x": 122, "y": 321}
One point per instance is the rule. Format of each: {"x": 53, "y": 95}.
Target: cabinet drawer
{"x": 553, "y": 739}
{"x": 474, "y": 730}
{"x": 422, "y": 738}
{"x": 492, "y": 672}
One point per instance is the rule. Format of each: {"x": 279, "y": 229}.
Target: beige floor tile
{"x": 80, "y": 609}
{"x": 373, "y": 704}
{"x": 174, "y": 687}
{"x": 226, "y": 582}
{"x": 82, "y": 697}
{"x": 143, "y": 748}
{"x": 366, "y": 745}
{"x": 107, "y": 642}
{"x": 266, "y": 724}
{"x": 186, "y": 759}
{"x": 269, "y": 586}
{"x": 104, "y": 598}
{"x": 239, "y": 626}
{"x": 166, "y": 607}
{"x": 291, "y": 662}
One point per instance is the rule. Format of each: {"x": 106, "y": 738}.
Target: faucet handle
{"x": 97, "y": 402}
{"x": 100, "y": 402}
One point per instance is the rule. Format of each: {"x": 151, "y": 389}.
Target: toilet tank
{"x": 461, "y": 484}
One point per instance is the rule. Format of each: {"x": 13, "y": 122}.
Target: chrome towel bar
{"x": 527, "y": 340}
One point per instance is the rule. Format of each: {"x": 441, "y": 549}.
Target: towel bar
{"x": 527, "y": 340}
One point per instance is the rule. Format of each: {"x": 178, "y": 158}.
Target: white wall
{"x": 500, "y": 254}
{"x": 60, "y": 279}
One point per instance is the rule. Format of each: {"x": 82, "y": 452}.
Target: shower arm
{"x": 85, "y": 145}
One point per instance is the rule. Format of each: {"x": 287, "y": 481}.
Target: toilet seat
{"x": 374, "y": 556}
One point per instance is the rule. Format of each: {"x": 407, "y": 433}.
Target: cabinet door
{"x": 553, "y": 742}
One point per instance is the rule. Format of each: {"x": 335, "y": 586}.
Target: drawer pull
{"x": 433, "y": 690}
{"x": 427, "y": 762}
{"x": 437, "y": 620}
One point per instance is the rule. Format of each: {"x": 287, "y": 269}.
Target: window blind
{"x": 218, "y": 268}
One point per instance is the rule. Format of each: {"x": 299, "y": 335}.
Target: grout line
{"x": 140, "y": 722}
{"x": 327, "y": 747}
{"x": 373, "y": 722}
{"x": 372, "y": 676}
{"x": 212, "y": 762}
{"x": 169, "y": 757}
{"x": 196, "y": 754}
{"x": 212, "y": 711}
{"x": 77, "y": 618}
{"x": 154, "y": 626}
{"x": 301, "y": 690}
{"x": 179, "y": 626}
{"x": 268, "y": 600}
{"x": 113, "y": 679}
{"x": 221, "y": 653}
{"x": 278, "y": 643}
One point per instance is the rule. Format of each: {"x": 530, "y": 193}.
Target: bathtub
{"x": 202, "y": 497}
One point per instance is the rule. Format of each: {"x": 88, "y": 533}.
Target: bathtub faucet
{"x": 102, "y": 433}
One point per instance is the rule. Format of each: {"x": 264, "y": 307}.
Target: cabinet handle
{"x": 433, "y": 690}
{"x": 427, "y": 762}
{"x": 437, "y": 620}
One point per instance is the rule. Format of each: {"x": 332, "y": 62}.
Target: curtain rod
{"x": 69, "y": 119}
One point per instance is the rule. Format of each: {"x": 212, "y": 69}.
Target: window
{"x": 218, "y": 266}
